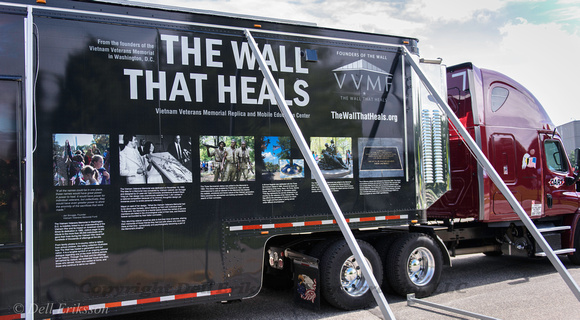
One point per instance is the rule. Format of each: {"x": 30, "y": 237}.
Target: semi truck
{"x": 109, "y": 106}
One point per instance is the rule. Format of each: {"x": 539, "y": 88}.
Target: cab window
{"x": 555, "y": 156}
{"x": 499, "y": 96}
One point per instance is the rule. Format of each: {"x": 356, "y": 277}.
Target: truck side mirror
{"x": 577, "y": 159}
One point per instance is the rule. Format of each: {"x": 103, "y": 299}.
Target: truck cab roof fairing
{"x": 521, "y": 108}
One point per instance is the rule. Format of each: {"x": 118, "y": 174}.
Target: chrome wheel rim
{"x": 351, "y": 278}
{"x": 421, "y": 266}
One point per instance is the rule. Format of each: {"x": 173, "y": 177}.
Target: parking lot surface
{"x": 501, "y": 287}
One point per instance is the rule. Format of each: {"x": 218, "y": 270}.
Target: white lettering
{"x": 298, "y": 59}
{"x": 340, "y": 82}
{"x": 223, "y": 89}
{"x": 243, "y": 54}
{"x": 269, "y": 57}
{"x": 357, "y": 85}
{"x": 133, "y": 74}
{"x": 282, "y": 86}
{"x": 283, "y": 67}
{"x": 298, "y": 85}
{"x": 186, "y": 51}
{"x": 266, "y": 94}
{"x": 150, "y": 85}
{"x": 198, "y": 78}
{"x": 169, "y": 40}
{"x": 179, "y": 88}
{"x": 376, "y": 85}
{"x": 211, "y": 53}
{"x": 246, "y": 89}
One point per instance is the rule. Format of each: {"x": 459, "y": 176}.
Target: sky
{"x": 270, "y": 154}
{"x": 536, "y": 43}
{"x": 74, "y": 139}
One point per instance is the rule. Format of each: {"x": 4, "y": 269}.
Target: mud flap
{"x": 306, "y": 277}
{"x": 306, "y": 285}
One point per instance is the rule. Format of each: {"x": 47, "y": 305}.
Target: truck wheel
{"x": 575, "y": 257}
{"x": 383, "y": 246}
{"x": 342, "y": 282}
{"x": 414, "y": 265}
{"x": 320, "y": 248}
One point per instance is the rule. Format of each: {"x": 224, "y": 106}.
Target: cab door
{"x": 559, "y": 197}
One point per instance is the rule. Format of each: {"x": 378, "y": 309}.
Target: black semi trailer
{"x": 146, "y": 164}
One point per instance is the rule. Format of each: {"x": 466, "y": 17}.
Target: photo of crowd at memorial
{"x": 227, "y": 158}
{"x": 81, "y": 159}
{"x": 145, "y": 159}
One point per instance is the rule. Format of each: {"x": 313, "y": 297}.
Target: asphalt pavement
{"x": 500, "y": 287}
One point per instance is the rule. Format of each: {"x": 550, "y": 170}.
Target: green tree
{"x": 285, "y": 144}
{"x": 572, "y": 157}
{"x": 102, "y": 141}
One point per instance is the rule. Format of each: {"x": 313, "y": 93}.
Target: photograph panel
{"x": 81, "y": 159}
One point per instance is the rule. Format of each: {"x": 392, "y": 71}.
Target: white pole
{"x": 28, "y": 184}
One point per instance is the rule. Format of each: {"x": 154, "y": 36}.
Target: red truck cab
{"x": 514, "y": 131}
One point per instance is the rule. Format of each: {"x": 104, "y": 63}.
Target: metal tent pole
{"x": 28, "y": 184}
{"x": 495, "y": 177}
{"x": 306, "y": 153}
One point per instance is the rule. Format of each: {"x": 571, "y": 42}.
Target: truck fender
{"x": 430, "y": 230}
{"x": 446, "y": 255}
{"x": 573, "y": 223}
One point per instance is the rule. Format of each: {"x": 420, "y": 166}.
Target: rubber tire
{"x": 320, "y": 248}
{"x": 575, "y": 257}
{"x": 331, "y": 267}
{"x": 397, "y": 273}
{"x": 383, "y": 246}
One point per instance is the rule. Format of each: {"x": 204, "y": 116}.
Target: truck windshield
{"x": 555, "y": 156}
